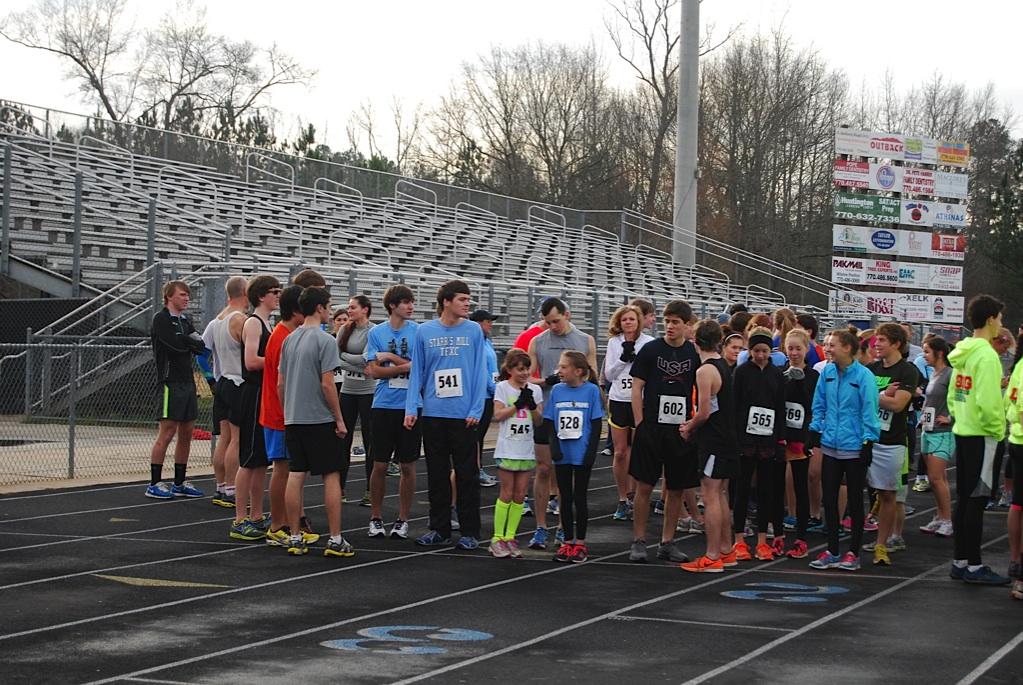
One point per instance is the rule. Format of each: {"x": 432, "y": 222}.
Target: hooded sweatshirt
{"x": 1014, "y": 404}
{"x": 975, "y": 391}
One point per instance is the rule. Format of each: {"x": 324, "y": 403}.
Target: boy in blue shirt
{"x": 449, "y": 380}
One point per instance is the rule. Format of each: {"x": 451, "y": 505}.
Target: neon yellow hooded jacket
{"x": 1014, "y": 404}
{"x": 975, "y": 390}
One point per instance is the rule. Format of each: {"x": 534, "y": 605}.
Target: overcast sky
{"x": 377, "y": 49}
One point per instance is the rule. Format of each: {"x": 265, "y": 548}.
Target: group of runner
{"x": 749, "y": 425}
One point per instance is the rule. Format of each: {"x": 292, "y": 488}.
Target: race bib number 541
{"x": 447, "y": 383}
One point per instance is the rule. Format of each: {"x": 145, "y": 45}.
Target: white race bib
{"x": 520, "y": 426}
{"x": 339, "y": 377}
{"x": 494, "y": 376}
{"x": 398, "y": 382}
{"x": 570, "y": 425}
{"x": 447, "y": 383}
{"x": 928, "y": 418}
{"x": 625, "y": 383}
{"x": 671, "y": 409}
{"x": 794, "y": 415}
{"x": 760, "y": 421}
{"x": 885, "y": 417}
{"x": 355, "y": 375}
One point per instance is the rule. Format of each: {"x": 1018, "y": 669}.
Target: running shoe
{"x": 263, "y": 522}
{"x": 539, "y": 539}
{"x": 486, "y": 480}
{"x": 358, "y": 451}
{"x": 606, "y": 452}
{"x": 696, "y": 526}
{"x": 921, "y": 485}
{"x": 1017, "y": 589}
{"x": 580, "y": 554}
{"x": 245, "y": 530}
{"x": 990, "y": 505}
{"x": 278, "y": 538}
{"x": 393, "y": 470}
{"x": 778, "y": 547}
{"x": 526, "y": 509}
{"x": 364, "y": 502}
{"x": 339, "y": 549}
{"x": 376, "y": 528}
{"x": 789, "y": 522}
{"x": 564, "y": 553}
{"x": 499, "y": 549}
{"x": 896, "y": 543}
{"x": 622, "y": 512}
{"x": 909, "y": 509}
{"x": 797, "y": 550}
{"x": 1014, "y": 570}
{"x": 881, "y": 557}
{"x": 683, "y": 524}
{"x": 945, "y": 530}
{"x": 552, "y": 507}
{"x": 559, "y": 535}
{"x": 847, "y": 523}
{"x": 399, "y": 529}
{"x": 741, "y": 550}
{"x": 227, "y": 501}
{"x": 297, "y": 547}
{"x": 984, "y": 576}
{"x": 637, "y": 552}
{"x": 815, "y": 525}
{"x": 159, "y": 491}
{"x": 869, "y": 546}
{"x": 306, "y": 526}
{"x": 455, "y": 525}
{"x": 433, "y": 539}
{"x": 513, "y": 549}
{"x": 659, "y": 507}
{"x": 850, "y": 562}
{"x": 467, "y": 542}
{"x": 869, "y": 524}
{"x": 956, "y": 572}
{"x": 826, "y": 560}
{"x": 667, "y": 551}
{"x": 729, "y": 560}
{"x": 1005, "y": 501}
{"x": 217, "y": 498}
{"x": 186, "y": 489}
{"x": 764, "y": 552}
{"x": 704, "y": 565}
{"x": 932, "y": 527}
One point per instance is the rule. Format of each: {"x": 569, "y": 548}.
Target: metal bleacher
{"x": 194, "y": 221}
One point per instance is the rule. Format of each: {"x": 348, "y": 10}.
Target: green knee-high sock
{"x": 500, "y": 519}
{"x": 514, "y": 516}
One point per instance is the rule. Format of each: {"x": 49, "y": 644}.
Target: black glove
{"x": 628, "y": 351}
{"x": 867, "y": 453}
{"x": 552, "y": 380}
{"x": 918, "y": 402}
{"x": 813, "y": 439}
{"x": 525, "y": 399}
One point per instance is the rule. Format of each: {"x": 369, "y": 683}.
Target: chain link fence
{"x": 85, "y": 409}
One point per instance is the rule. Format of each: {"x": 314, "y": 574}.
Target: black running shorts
{"x": 658, "y": 448}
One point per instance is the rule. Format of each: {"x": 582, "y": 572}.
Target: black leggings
{"x": 972, "y": 494}
{"x": 573, "y": 482}
{"x": 800, "y": 485}
{"x": 770, "y": 493}
{"x": 855, "y": 473}
{"x": 360, "y": 406}
{"x": 484, "y": 425}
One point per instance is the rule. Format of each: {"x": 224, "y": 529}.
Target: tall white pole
{"x": 683, "y": 248}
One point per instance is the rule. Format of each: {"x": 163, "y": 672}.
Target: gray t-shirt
{"x": 353, "y": 362}
{"x": 548, "y": 348}
{"x": 308, "y": 353}
{"x": 936, "y": 399}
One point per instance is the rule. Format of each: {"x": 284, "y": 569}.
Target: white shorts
{"x": 887, "y": 468}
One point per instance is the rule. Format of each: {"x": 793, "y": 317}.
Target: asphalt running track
{"x": 101, "y": 585}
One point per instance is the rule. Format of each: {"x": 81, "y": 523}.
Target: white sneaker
{"x": 944, "y": 530}
{"x": 932, "y": 527}
{"x": 376, "y": 528}
{"x": 400, "y": 529}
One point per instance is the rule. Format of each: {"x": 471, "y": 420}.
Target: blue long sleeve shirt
{"x": 449, "y": 371}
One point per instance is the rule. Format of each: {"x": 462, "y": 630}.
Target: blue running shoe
{"x": 850, "y": 562}
{"x": 526, "y": 509}
{"x": 244, "y": 530}
{"x": 186, "y": 489}
{"x": 433, "y": 539}
{"x": 659, "y": 507}
{"x": 956, "y": 572}
{"x": 552, "y": 507}
{"x": 263, "y": 523}
{"x": 159, "y": 491}
{"x": 826, "y": 560}
{"x": 539, "y": 540}
{"x": 622, "y": 512}
{"x": 789, "y": 522}
{"x": 467, "y": 542}
{"x": 559, "y": 535}
{"x": 985, "y": 576}
{"x": 816, "y": 526}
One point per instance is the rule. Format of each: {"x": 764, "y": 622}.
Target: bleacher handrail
{"x": 351, "y": 191}
{"x": 532, "y": 216}
{"x": 249, "y": 166}
{"x": 404, "y": 182}
{"x": 80, "y": 145}
{"x": 108, "y": 293}
{"x": 170, "y": 169}
{"x": 348, "y": 236}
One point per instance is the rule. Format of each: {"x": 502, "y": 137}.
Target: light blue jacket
{"x": 845, "y": 406}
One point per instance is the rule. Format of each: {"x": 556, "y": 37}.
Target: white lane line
{"x": 986, "y": 665}
{"x": 560, "y": 568}
{"x": 158, "y": 682}
{"x": 824, "y": 620}
{"x": 709, "y": 624}
{"x": 86, "y": 490}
